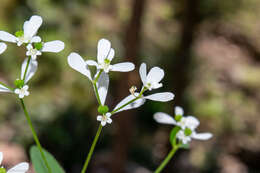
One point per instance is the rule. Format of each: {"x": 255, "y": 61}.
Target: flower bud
{"x": 19, "y": 83}
{"x": 103, "y": 109}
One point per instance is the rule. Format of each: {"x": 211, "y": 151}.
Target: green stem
{"x": 26, "y": 69}
{"x": 94, "y": 82}
{"x": 35, "y": 135}
{"x": 167, "y": 159}
{"x": 92, "y": 149}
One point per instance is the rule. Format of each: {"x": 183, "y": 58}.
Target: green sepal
{"x": 187, "y": 131}
{"x": 103, "y": 109}
{"x": 178, "y": 118}
{"x": 19, "y": 83}
{"x": 38, "y": 46}
{"x": 185, "y": 146}
{"x": 19, "y": 33}
{"x": 2, "y": 170}
{"x": 173, "y": 133}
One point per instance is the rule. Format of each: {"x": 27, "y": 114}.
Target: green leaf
{"x": 185, "y": 146}
{"x": 39, "y": 164}
{"x": 173, "y": 133}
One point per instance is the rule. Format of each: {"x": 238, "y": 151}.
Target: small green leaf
{"x": 103, "y": 109}
{"x": 19, "y": 33}
{"x": 185, "y": 146}
{"x": 39, "y": 164}
{"x": 38, "y": 46}
{"x": 173, "y": 133}
{"x": 19, "y": 83}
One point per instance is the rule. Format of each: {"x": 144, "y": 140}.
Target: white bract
{"x": 187, "y": 125}
{"x": 19, "y": 168}
{"x": 2, "y": 47}
{"x": 51, "y": 46}
{"x": 22, "y": 91}
{"x": 28, "y": 35}
{"x": 104, "y": 119}
{"x": 105, "y": 55}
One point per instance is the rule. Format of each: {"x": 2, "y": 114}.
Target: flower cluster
{"x": 19, "y": 168}
{"x": 100, "y": 80}
{"x": 187, "y": 124}
{"x": 35, "y": 46}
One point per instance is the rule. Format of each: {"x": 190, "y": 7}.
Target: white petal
{"x": 202, "y": 136}
{"x": 162, "y": 97}
{"x": 2, "y": 47}
{"x": 53, "y": 46}
{"x": 31, "y": 27}
{"x": 17, "y": 91}
{"x": 103, "y": 50}
{"x": 133, "y": 105}
{"x": 77, "y": 63}
{"x": 5, "y": 36}
{"x": 164, "y": 118}
{"x": 123, "y": 67}
{"x": 20, "y": 168}
{"x": 109, "y": 120}
{"x": 155, "y": 75}
{"x": 99, "y": 118}
{"x": 102, "y": 85}
{"x": 4, "y": 89}
{"x": 1, "y": 157}
{"x": 178, "y": 110}
{"x": 143, "y": 73}
{"x": 111, "y": 54}
{"x": 91, "y": 63}
{"x": 103, "y": 123}
{"x": 32, "y": 68}
{"x": 192, "y": 122}
{"x": 36, "y": 39}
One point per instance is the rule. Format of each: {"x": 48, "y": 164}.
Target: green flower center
{"x": 178, "y": 118}
{"x": 187, "y": 131}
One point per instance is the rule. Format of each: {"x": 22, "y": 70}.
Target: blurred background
{"x": 209, "y": 49}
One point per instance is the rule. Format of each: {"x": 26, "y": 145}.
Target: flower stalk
{"x": 36, "y": 139}
{"x": 167, "y": 159}
{"x": 92, "y": 149}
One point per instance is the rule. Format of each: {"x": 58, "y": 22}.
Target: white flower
{"x": 105, "y": 55}
{"x": 22, "y": 91}
{"x": 187, "y": 137}
{"x": 151, "y": 81}
{"x": 28, "y": 35}
{"x": 2, "y": 47}
{"x": 51, "y": 46}
{"x": 102, "y": 86}
{"x": 33, "y": 52}
{"x": 19, "y": 168}
{"x": 187, "y": 125}
{"x": 179, "y": 120}
{"x": 153, "y": 78}
{"x": 104, "y": 119}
